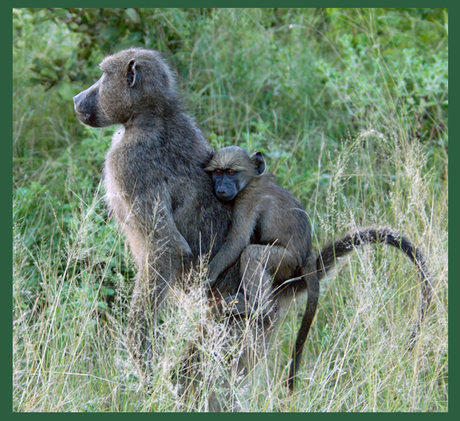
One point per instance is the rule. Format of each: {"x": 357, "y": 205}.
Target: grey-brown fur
{"x": 269, "y": 228}
{"x": 382, "y": 235}
{"x": 154, "y": 178}
{"x": 263, "y": 214}
{"x": 157, "y": 188}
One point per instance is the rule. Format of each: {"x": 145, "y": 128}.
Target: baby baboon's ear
{"x": 207, "y": 165}
{"x": 132, "y": 74}
{"x": 259, "y": 162}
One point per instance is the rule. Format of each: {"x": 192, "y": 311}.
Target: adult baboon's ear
{"x": 132, "y": 74}
{"x": 259, "y": 162}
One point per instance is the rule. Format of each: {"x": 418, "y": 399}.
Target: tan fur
{"x": 163, "y": 199}
{"x": 154, "y": 179}
{"x": 271, "y": 237}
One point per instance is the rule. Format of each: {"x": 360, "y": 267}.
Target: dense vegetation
{"x": 349, "y": 106}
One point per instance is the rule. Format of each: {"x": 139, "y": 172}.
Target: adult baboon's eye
{"x": 231, "y": 172}
{"x": 218, "y": 172}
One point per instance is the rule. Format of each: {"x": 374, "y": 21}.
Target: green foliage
{"x": 349, "y": 107}
{"x": 339, "y": 67}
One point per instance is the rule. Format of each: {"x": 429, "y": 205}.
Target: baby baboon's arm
{"x": 238, "y": 239}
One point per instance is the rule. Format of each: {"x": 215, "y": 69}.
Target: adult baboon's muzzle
{"x": 86, "y": 106}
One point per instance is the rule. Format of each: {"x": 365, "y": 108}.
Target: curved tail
{"x": 381, "y": 235}
{"x": 310, "y": 274}
{"x": 327, "y": 259}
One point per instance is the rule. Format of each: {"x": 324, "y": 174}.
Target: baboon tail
{"x": 312, "y": 281}
{"x": 326, "y": 260}
{"x": 381, "y": 235}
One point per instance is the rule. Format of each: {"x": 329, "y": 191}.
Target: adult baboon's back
{"x": 155, "y": 182}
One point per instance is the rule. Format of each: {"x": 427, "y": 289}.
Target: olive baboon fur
{"x": 269, "y": 229}
{"x": 158, "y": 190}
{"x": 154, "y": 179}
{"x": 265, "y": 214}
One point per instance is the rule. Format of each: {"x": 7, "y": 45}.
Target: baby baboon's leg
{"x": 255, "y": 277}
{"x": 259, "y": 311}
{"x": 258, "y": 265}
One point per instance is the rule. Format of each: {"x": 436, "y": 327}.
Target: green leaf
{"x": 133, "y": 15}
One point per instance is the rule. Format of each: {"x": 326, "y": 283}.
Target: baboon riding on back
{"x": 270, "y": 229}
{"x": 162, "y": 197}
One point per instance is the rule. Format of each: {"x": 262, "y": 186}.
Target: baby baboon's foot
{"x": 236, "y": 305}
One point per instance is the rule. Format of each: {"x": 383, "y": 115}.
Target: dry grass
{"x": 70, "y": 356}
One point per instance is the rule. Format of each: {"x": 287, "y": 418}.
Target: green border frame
{"x": 6, "y": 193}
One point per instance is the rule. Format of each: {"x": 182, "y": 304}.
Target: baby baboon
{"x": 154, "y": 178}
{"x": 270, "y": 227}
{"x": 270, "y": 236}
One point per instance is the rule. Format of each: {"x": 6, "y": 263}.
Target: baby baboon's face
{"x": 232, "y": 169}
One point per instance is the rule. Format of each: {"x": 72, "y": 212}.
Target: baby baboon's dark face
{"x": 226, "y": 183}
{"x": 232, "y": 169}
{"x": 134, "y": 82}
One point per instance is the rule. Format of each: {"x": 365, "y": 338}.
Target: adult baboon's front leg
{"x": 149, "y": 292}
{"x": 161, "y": 260}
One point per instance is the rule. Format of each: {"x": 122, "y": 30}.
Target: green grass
{"x": 349, "y": 108}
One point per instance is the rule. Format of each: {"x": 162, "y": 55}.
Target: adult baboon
{"x": 270, "y": 230}
{"x": 155, "y": 183}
